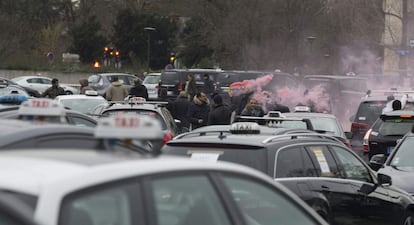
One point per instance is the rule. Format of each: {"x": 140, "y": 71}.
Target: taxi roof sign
{"x": 41, "y": 107}
{"x": 302, "y": 108}
{"x": 129, "y": 126}
{"x": 245, "y": 128}
{"x": 91, "y": 93}
{"x": 136, "y": 100}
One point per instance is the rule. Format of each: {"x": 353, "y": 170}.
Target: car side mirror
{"x": 349, "y": 135}
{"x": 377, "y": 161}
{"x": 351, "y": 118}
{"x": 384, "y": 179}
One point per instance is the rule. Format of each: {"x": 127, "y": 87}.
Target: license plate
{"x": 170, "y": 92}
{"x": 389, "y": 149}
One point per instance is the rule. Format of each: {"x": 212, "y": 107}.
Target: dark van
{"x": 174, "y": 80}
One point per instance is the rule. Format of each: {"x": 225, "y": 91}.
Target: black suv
{"x": 174, "y": 80}
{"x": 387, "y": 129}
{"x": 328, "y": 176}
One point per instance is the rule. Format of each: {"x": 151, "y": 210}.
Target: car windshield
{"x": 403, "y": 157}
{"x": 326, "y": 124}
{"x": 82, "y": 105}
{"x": 12, "y": 90}
{"x": 151, "y": 113}
{"x": 396, "y": 127}
{"x": 151, "y": 80}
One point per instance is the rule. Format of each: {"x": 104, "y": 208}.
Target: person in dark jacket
{"x": 220, "y": 114}
{"x": 139, "y": 90}
{"x": 181, "y": 106}
{"x": 54, "y": 91}
{"x": 164, "y": 98}
{"x": 208, "y": 87}
{"x": 198, "y": 111}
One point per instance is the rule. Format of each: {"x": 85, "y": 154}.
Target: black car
{"x": 174, "y": 80}
{"x": 387, "y": 129}
{"x": 332, "y": 179}
{"x": 398, "y": 168}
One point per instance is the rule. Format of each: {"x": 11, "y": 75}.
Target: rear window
{"x": 358, "y": 85}
{"x": 93, "y": 78}
{"x": 154, "y": 114}
{"x": 171, "y": 77}
{"x": 369, "y": 111}
{"x": 396, "y": 127}
{"x": 151, "y": 80}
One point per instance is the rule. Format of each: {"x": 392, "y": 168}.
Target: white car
{"x": 40, "y": 84}
{"x": 82, "y": 103}
{"x": 89, "y": 187}
{"x": 151, "y": 81}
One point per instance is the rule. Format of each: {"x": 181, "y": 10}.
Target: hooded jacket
{"x": 116, "y": 92}
{"x": 84, "y": 86}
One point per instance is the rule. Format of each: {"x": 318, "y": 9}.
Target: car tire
{"x": 68, "y": 93}
{"x": 408, "y": 218}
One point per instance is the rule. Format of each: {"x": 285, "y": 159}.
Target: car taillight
{"x": 167, "y": 137}
{"x": 180, "y": 86}
{"x": 365, "y": 141}
{"x": 358, "y": 126}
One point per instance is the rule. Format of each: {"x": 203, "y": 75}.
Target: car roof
{"x": 80, "y": 96}
{"x": 31, "y": 171}
{"x": 398, "y": 113}
{"x": 6, "y": 112}
{"x": 114, "y": 74}
{"x": 144, "y": 106}
{"x": 309, "y": 115}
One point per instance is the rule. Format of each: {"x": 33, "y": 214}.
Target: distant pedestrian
{"x": 164, "y": 98}
{"x": 198, "y": 111}
{"x": 220, "y": 113}
{"x": 181, "y": 106}
{"x": 116, "y": 91}
{"x": 208, "y": 87}
{"x": 53, "y": 91}
{"x": 139, "y": 90}
{"x": 253, "y": 108}
{"x": 190, "y": 87}
{"x": 84, "y": 86}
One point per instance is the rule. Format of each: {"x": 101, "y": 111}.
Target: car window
{"x": 359, "y": 85}
{"x": 151, "y": 80}
{"x": 262, "y": 205}
{"x": 369, "y": 111}
{"x": 82, "y": 122}
{"x": 67, "y": 141}
{"x": 108, "y": 205}
{"x": 326, "y": 124}
{"x": 8, "y": 219}
{"x": 398, "y": 126}
{"x": 187, "y": 200}
{"x": 171, "y": 77}
{"x": 404, "y": 155}
{"x": 33, "y": 81}
{"x": 352, "y": 167}
{"x": 93, "y": 78}
{"x": 46, "y": 81}
{"x": 294, "y": 162}
{"x": 324, "y": 161}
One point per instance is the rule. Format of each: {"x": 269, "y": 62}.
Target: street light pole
{"x": 149, "y": 30}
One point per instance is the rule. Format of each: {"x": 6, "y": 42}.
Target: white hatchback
{"x": 89, "y": 187}
{"x": 151, "y": 81}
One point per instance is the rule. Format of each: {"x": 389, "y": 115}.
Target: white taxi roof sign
{"x": 245, "y": 128}
{"x": 301, "y": 108}
{"x": 129, "y": 126}
{"x": 91, "y": 93}
{"x": 136, "y": 100}
{"x": 41, "y": 107}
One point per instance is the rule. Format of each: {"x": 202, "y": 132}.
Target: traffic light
{"x": 172, "y": 58}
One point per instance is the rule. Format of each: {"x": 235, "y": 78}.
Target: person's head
{"x": 218, "y": 100}
{"x": 55, "y": 82}
{"x": 137, "y": 81}
{"x": 396, "y": 105}
{"x": 190, "y": 77}
{"x": 183, "y": 94}
{"x": 206, "y": 76}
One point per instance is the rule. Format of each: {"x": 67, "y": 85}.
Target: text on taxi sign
{"x": 127, "y": 122}
{"x": 40, "y": 104}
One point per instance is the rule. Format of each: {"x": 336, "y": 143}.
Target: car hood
{"x": 400, "y": 179}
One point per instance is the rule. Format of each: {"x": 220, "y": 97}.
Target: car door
{"x": 36, "y": 83}
{"x": 330, "y": 183}
{"x": 373, "y": 202}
